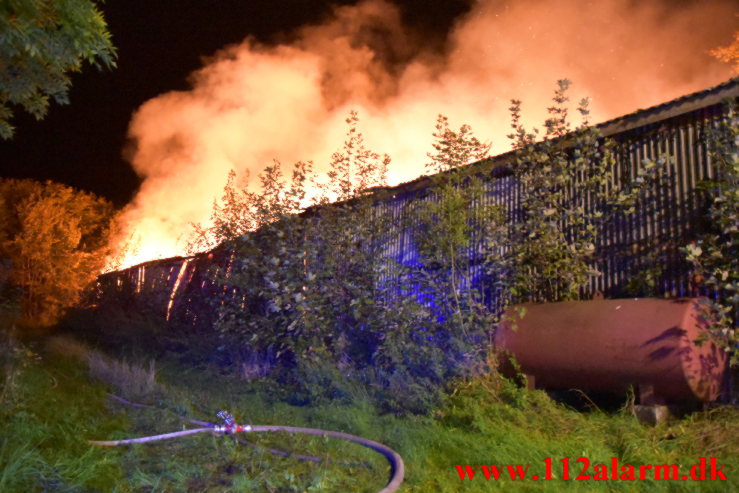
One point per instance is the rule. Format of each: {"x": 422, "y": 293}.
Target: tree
{"x": 56, "y": 239}
{"x": 455, "y": 227}
{"x": 242, "y": 211}
{"x": 553, "y": 243}
{"x": 304, "y": 278}
{"x": 41, "y": 42}
{"x": 568, "y": 194}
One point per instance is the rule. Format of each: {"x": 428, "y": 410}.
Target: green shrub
{"x": 715, "y": 256}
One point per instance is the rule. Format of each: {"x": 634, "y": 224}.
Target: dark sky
{"x": 159, "y": 43}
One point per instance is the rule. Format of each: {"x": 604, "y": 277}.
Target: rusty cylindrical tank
{"x": 610, "y": 344}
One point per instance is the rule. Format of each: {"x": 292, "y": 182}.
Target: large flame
{"x": 252, "y": 103}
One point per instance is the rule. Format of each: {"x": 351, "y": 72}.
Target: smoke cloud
{"x": 252, "y": 103}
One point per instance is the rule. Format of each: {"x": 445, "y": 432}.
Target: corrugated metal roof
{"x": 683, "y": 104}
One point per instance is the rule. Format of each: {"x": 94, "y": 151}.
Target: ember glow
{"x": 252, "y": 103}
{"x": 174, "y": 288}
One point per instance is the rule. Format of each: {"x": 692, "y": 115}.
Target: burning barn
{"x": 669, "y": 219}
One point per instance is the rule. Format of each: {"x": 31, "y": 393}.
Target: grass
{"x": 130, "y": 380}
{"x": 45, "y": 414}
{"x": 55, "y": 402}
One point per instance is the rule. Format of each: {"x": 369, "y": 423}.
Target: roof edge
{"x": 663, "y": 111}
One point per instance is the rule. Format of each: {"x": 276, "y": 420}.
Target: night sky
{"x": 159, "y": 43}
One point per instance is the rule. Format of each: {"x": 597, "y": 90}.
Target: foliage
{"x": 316, "y": 296}
{"x": 651, "y": 265}
{"x": 45, "y": 422}
{"x": 41, "y": 42}
{"x": 56, "y": 240}
{"x": 568, "y": 193}
{"x": 267, "y": 268}
{"x": 241, "y": 211}
{"x": 316, "y": 301}
{"x": 319, "y": 295}
{"x": 306, "y": 280}
{"x": 715, "y": 256}
{"x": 342, "y": 310}
{"x": 354, "y": 170}
{"x": 451, "y": 219}
{"x": 450, "y": 225}
{"x": 487, "y": 420}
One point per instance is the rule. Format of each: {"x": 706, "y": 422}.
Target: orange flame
{"x": 254, "y": 102}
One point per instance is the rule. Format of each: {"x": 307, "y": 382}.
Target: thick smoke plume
{"x": 253, "y": 103}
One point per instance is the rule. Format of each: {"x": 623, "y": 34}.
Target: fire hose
{"x": 230, "y": 427}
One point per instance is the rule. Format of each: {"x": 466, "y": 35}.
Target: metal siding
{"x": 669, "y": 217}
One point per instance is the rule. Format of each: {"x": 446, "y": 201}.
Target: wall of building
{"x": 669, "y": 218}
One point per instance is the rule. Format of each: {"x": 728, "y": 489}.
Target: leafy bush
{"x": 310, "y": 293}
{"x": 715, "y": 256}
{"x": 56, "y": 241}
{"x": 315, "y": 298}
{"x": 569, "y": 192}
{"x": 455, "y": 232}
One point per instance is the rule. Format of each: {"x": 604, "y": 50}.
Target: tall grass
{"x": 58, "y": 404}
{"x": 129, "y": 379}
{"x": 44, "y": 425}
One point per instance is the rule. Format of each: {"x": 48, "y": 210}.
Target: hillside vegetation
{"x": 56, "y": 396}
